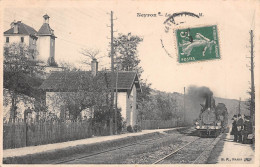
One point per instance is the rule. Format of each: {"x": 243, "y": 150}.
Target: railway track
{"x": 125, "y": 147}
{"x": 171, "y": 154}
{"x": 190, "y": 153}
{"x": 187, "y": 149}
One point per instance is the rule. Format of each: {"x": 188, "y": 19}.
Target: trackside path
{"x": 229, "y": 152}
{"x": 57, "y": 146}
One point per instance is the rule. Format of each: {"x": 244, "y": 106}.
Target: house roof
{"x": 71, "y": 80}
{"x": 22, "y": 29}
{"x": 45, "y": 30}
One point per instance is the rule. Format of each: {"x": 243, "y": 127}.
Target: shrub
{"x": 137, "y": 128}
{"x": 129, "y": 128}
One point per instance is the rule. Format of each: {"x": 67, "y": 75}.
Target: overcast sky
{"x": 84, "y": 25}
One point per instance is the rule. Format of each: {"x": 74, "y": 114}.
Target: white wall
{"x": 23, "y": 103}
{"x": 43, "y": 46}
{"x": 17, "y": 39}
{"x": 121, "y": 103}
{"x": 134, "y": 106}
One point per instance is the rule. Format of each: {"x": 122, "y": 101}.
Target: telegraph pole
{"x": 116, "y": 101}
{"x": 252, "y": 75}
{"x": 113, "y": 111}
{"x": 112, "y": 74}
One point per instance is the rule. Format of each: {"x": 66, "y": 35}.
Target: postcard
{"x": 134, "y": 83}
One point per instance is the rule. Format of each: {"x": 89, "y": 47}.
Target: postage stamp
{"x": 197, "y": 44}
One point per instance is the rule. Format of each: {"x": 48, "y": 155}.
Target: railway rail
{"x": 189, "y": 149}
{"x": 190, "y": 153}
{"x": 145, "y": 142}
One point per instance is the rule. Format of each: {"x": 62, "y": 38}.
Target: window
{"x": 22, "y": 39}
{"x": 7, "y": 40}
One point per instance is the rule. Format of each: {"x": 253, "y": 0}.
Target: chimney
{"x": 15, "y": 27}
{"x": 94, "y": 67}
{"x": 46, "y": 19}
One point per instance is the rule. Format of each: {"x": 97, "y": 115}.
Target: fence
{"x": 159, "y": 124}
{"x": 19, "y": 134}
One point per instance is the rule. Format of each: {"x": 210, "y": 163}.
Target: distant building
{"x": 42, "y": 40}
{"x": 67, "y": 82}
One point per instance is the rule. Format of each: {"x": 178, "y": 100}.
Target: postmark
{"x": 197, "y": 44}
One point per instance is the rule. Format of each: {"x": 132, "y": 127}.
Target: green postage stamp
{"x": 197, "y": 44}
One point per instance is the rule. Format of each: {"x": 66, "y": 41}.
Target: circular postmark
{"x": 173, "y": 22}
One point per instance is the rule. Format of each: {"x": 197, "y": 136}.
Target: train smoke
{"x": 199, "y": 92}
{"x": 195, "y": 97}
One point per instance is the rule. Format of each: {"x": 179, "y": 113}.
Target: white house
{"x": 43, "y": 40}
{"x": 66, "y": 82}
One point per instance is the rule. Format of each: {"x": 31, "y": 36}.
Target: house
{"x": 67, "y": 82}
{"x": 43, "y": 40}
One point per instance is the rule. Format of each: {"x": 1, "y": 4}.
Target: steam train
{"x": 212, "y": 119}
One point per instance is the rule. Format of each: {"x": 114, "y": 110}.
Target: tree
{"x": 90, "y": 54}
{"x": 126, "y": 52}
{"x": 250, "y": 103}
{"x": 164, "y": 107}
{"x": 21, "y": 74}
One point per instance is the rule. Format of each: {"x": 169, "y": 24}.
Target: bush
{"x": 129, "y": 128}
{"x": 137, "y": 128}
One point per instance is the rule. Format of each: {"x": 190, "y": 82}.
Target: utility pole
{"x": 184, "y": 112}
{"x": 252, "y": 103}
{"x": 116, "y": 100}
{"x": 112, "y": 74}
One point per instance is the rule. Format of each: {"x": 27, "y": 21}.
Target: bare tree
{"x": 90, "y": 54}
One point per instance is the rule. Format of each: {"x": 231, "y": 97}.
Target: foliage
{"x": 51, "y": 62}
{"x": 161, "y": 106}
{"x": 119, "y": 121}
{"x": 129, "y": 129}
{"x": 21, "y": 74}
{"x": 137, "y": 128}
{"x": 89, "y": 92}
{"x": 250, "y": 103}
{"x": 126, "y": 51}
{"x": 164, "y": 105}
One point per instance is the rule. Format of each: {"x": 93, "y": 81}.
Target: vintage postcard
{"x": 88, "y": 82}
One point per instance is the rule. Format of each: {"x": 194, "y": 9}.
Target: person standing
{"x": 234, "y": 128}
{"x": 240, "y": 124}
{"x": 248, "y": 129}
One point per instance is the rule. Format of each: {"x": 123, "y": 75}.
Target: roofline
{"x": 17, "y": 34}
{"x": 46, "y": 35}
{"x": 133, "y": 82}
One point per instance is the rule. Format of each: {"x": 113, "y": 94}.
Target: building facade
{"x": 42, "y": 40}
{"x": 67, "y": 83}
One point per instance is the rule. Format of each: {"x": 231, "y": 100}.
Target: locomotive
{"x": 212, "y": 119}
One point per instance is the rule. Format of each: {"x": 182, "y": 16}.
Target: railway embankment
{"x": 52, "y": 153}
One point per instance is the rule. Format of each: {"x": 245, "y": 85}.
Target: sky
{"x": 85, "y": 25}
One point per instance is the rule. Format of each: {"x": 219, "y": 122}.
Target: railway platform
{"x": 229, "y": 152}
{"x": 31, "y": 154}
